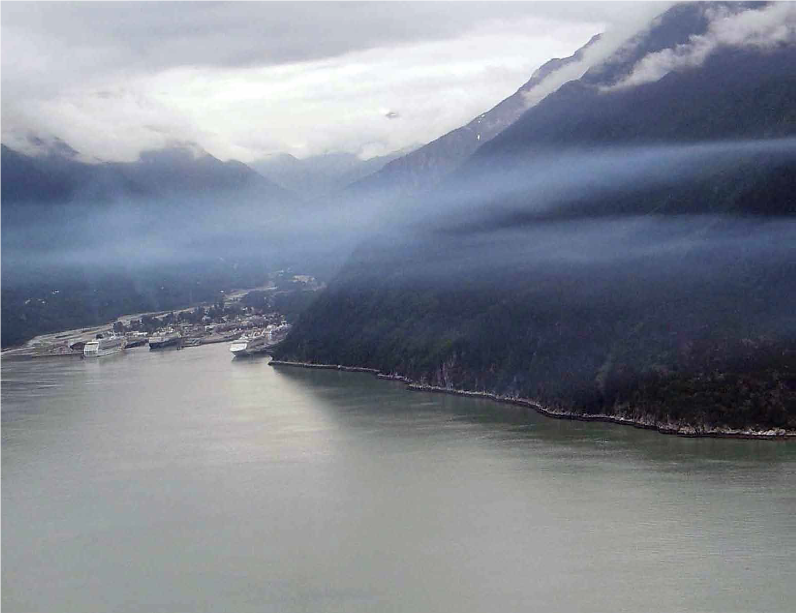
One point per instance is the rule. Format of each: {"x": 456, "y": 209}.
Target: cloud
{"x": 763, "y": 28}
{"x": 569, "y": 72}
{"x": 165, "y": 35}
{"x": 608, "y": 44}
{"x": 301, "y": 108}
{"x": 245, "y": 79}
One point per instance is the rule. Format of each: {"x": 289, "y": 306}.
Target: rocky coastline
{"x": 677, "y": 429}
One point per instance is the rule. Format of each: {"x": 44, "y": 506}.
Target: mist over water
{"x": 604, "y": 231}
{"x": 591, "y": 217}
{"x": 177, "y": 230}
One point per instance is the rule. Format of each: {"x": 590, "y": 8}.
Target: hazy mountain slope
{"x": 61, "y": 178}
{"x": 319, "y": 175}
{"x": 425, "y": 167}
{"x": 598, "y": 255}
{"x": 582, "y": 316}
{"x": 50, "y": 178}
{"x": 735, "y": 94}
{"x": 83, "y": 243}
{"x": 176, "y": 170}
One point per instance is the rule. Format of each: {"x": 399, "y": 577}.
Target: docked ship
{"x": 135, "y": 339}
{"x": 104, "y": 345}
{"x": 278, "y": 333}
{"x": 165, "y": 338}
{"x": 259, "y": 341}
{"x": 251, "y": 343}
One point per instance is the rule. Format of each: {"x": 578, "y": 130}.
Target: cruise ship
{"x": 135, "y": 339}
{"x": 165, "y": 338}
{"x": 259, "y": 341}
{"x": 103, "y": 345}
{"x": 278, "y": 333}
{"x": 251, "y": 343}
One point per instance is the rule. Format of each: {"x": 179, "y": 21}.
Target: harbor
{"x": 223, "y": 322}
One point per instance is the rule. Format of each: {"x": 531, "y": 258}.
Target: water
{"x": 182, "y": 481}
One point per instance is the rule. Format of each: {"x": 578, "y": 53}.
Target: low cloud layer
{"x": 765, "y": 28}
{"x": 247, "y": 79}
{"x": 181, "y": 230}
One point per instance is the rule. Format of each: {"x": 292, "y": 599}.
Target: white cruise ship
{"x": 278, "y": 333}
{"x": 251, "y": 343}
{"x": 165, "y": 338}
{"x": 135, "y": 339}
{"x": 105, "y": 345}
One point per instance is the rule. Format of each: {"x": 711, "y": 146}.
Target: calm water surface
{"x": 185, "y": 481}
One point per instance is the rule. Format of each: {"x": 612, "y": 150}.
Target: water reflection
{"x": 510, "y": 425}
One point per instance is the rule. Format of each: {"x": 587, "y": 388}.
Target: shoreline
{"x": 671, "y": 429}
{"x": 28, "y": 348}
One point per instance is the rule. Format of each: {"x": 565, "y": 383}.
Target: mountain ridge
{"x": 612, "y": 258}
{"x": 322, "y": 174}
{"x": 428, "y": 165}
{"x": 58, "y": 178}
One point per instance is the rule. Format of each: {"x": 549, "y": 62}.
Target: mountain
{"x": 179, "y": 170}
{"x": 58, "y": 177}
{"x": 84, "y": 243}
{"x": 427, "y": 166}
{"x": 626, "y": 248}
{"x": 736, "y": 94}
{"x": 43, "y": 179}
{"x": 319, "y": 175}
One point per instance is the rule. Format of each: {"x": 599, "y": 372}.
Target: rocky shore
{"x": 372, "y": 371}
{"x": 679, "y": 429}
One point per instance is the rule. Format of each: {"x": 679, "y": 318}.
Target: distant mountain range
{"x": 320, "y": 175}
{"x": 59, "y": 177}
{"x": 84, "y": 243}
{"x": 625, "y": 248}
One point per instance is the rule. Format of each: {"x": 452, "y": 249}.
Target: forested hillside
{"x": 618, "y": 250}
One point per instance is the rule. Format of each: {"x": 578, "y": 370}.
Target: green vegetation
{"x": 686, "y": 340}
{"x": 686, "y": 317}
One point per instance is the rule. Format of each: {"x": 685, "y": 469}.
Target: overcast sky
{"x": 243, "y": 80}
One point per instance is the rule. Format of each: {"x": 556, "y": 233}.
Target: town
{"x": 270, "y": 309}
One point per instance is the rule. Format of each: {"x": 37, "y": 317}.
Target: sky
{"x": 243, "y": 80}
